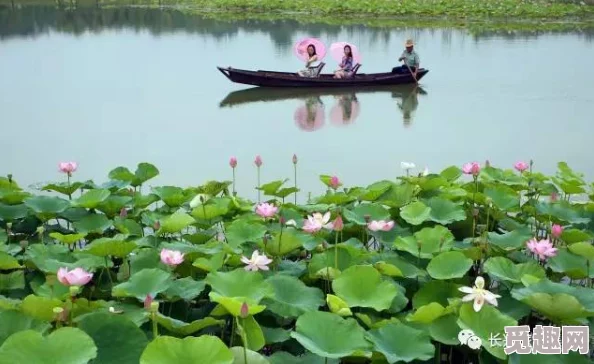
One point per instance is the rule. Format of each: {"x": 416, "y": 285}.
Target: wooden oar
{"x": 411, "y": 72}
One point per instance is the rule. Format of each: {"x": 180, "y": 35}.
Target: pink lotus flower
{"x": 244, "y": 311}
{"x": 171, "y": 258}
{"x": 556, "y": 230}
{"x": 380, "y": 225}
{"x": 554, "y": 196}
{"x": 123, "y": 213}
{"x": 266, "y": 210}
{"x": 233, "y": 162}
{"x": 258, "y": 161}
{"x": 334, "y": 182}
{"x": 75, "y": 277}
{"x": 338, "y": 224}
{"x": 316, "y": 222}
{"x": 156, "y": 225}
{"x": 543, "y": 249}
{"x": 147, "y": 302}
{"x": 68, "y": 167}
{"x": 257, "y": 262}
{"x": 471, "y": 168}
{"x": 521, "y": 166}
{"x": 294, "y": 158}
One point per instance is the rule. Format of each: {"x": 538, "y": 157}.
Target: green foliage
{"x": 389, "y": 300}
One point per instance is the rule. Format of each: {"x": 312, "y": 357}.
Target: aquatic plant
{"x": 428, "y": 265}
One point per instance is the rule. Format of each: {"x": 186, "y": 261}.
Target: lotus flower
{"x": 380, "y": 225}
{"x": 291, "y": 222}
{"x": 258, "y": 161}
{"x": 556, "y": 230}
{"x": 123, "y": 213}
{"x": 257, "y": 262}
{"x": 426, "y": 171}
{"x": 233, "y": 162}
{"x": 479, "y": 294}
{"x": 338, "y": 224}
{"x": 266, "y": 210}
{"x": 68, "y": 167}
{"x": 407, "y": 165}
{"x": 471, "y": 168}
{"x": 75, "y": 277}
{"x": 148, "y": 300}
{"x": 334, "y": 182}
{"x": 244, "y": 311}
{"x": 543, "y": 249}
{"x": 521, "y": 166}
{"x": 554, "y": 196}
{"x": 316, "y": 222}
{"x": 171, "y": 258}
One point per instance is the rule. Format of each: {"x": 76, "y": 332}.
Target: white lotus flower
{"x": 316, "y": 222}
{"x": 479, "y": 294}
{"x": 257, "y": 262}
{"x": 407, "y": 165}
{"x": 426, "y": 171}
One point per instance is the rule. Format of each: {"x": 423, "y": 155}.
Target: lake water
{"x": 121, "y": 86}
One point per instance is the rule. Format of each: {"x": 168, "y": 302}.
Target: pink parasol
{"x": 337, "y": 52}
{"x": 309, "y": 118}
{"x": 300, "y": 48}
{"x": 345, "y": 111}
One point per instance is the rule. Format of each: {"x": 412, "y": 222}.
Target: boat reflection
{"x": 310, "y": 115}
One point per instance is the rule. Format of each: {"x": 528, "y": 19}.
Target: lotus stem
{"x": 295, "y": 170}
{"x": 336, "y": 250}
{"x": 259, "y": 192}
{"x": 108, "y": 274}
{"x": 233, "y": 181}
{"x": 232, "y": 333}
{"x": 155, "y": 328}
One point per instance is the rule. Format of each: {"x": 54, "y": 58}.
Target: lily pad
{"x": 512, "y": 240}
{"x": 40, "y": 308}
{"x": 143, "y": 283}
{"x": 583, "y": 249}
{"x": 14, "y": 321}
{"x": 29, "y": 346}
{"x": 317, "y": 332}
{"x": 185, "y": 288}
{"x": 104, "y": 327}
{"x": 238, "y": 286}
{"x": 166, "y": 349}
{"x": 445, "y": 329}
{"x": 286, "y": 243}
{"x": 292, "y": 297}
{"x": 504, "y": 269}
{"x": 67, "y": 239}
{"x": 115, "y": 247}
{"x": 399, "y": 342}
{"x": 427, "y": 242}
{"x": 503, "y": 197}
{"x": 175, "y": 223}
{"x": 445, "y": 211}
{"x": 362, "y": 286}
{"x": 415, "y": 213}
{"x": 427, "y": 313}
{"x": 92, "y": 198}
{"x": 8, "y": 262}
{"x": 95, "y": 223}
{"x": 449, "y": 265}
{"x": 183, "y": 328}
{"x": 374, "y": 211}
{"x": 241, "y": 231}
{"x": 488, "y": 321}
{"x": 14, "y": 280}
{"x": 47, "y": 207}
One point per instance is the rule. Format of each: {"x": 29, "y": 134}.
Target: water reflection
{"x": 310, "y": 112}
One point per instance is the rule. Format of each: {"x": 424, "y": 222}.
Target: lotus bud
{"x": 24, "y": 244}
{"x": 154, "y": 307}
{"x": 244, "y": 310}
{"x": 334, "y": 182}
{"x": 282, "y": 220}
{"x": 156, "y": 225}
{"x": 294, "y": 158}
{"x": 258, "y": 161}
{"x": 123, "y": 213}
{"x": 233, "y": 162}
{"x": 556, "y": 230}
{"x": 554, "y": 197}
{"x": 147, "y": 302}
{"x": 74, "y": 290}
{"x": 338, "y": 224}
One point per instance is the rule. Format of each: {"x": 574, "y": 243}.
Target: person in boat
{"x": 346, "y": 66}
{"x": 410, "y": 58}
{"x": 312, "y": 57}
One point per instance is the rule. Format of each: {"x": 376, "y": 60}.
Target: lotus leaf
{"x": 362, "y": 286}
{"x": 292, "y": 297}
{"x": 166, "y": 349}
{"x": 449, "y": 265}
{"x": 399, "y": 342}
{"x": 416, "y": 213}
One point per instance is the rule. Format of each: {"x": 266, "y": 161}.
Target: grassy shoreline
{"x": 453, "y": 10}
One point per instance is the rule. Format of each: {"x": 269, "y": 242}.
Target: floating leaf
{"x": 241, "y": 231}
{"x": 166, "y": 349}
{"x": 428, "y": 313}
{"x": 115, "y": 247}
{"x": 92, "y": 198}
{"x": 104, "y": 327}
{"x": 449, "y": 265}
{"x": 292, "y": 297}
{"x": 427, "y": 242}
{"x": 317, "y": 332}
{"x": 399, "y": 342}
{"x": 14, "y": 321}
{"x": 504, "y": 269}
{"x": 362, "y": 286}
{"x": 143, "y": 283}
{"x": 8, "y": 262}
{"x": 415, "y": 213}
{"x": 29, "y": 346}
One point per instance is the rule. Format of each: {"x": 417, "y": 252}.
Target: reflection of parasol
{"x": 310, "y": 117}
{"x": 337, "y": 52}
{"x": 345, "y": 111}
{"x": 300, "y": 48}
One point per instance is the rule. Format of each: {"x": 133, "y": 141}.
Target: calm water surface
{"x": 122, "y": 86}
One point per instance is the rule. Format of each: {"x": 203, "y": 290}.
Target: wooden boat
{"x": 291, "y": 79}
{"x": 270, "y": 94}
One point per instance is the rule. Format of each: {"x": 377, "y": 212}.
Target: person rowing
{"x": 410, "y": 58}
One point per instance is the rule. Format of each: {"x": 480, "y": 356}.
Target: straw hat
{"x": 409, "y": 43}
